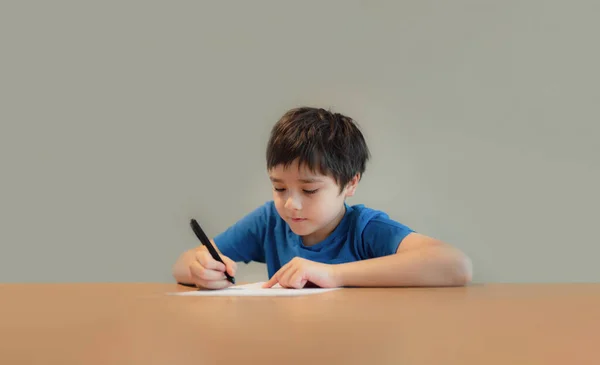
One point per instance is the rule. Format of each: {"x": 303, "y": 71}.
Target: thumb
{"x": 231, "y": 265}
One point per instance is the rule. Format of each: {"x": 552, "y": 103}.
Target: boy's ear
{"x": 352, "y": 185}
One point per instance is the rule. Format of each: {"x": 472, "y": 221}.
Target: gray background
{"x": 121, "y": 120}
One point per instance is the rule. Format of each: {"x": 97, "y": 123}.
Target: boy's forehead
{"x": 296, "y": 171}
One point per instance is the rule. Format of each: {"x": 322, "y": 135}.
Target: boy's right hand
{"x": 209, "y": 273}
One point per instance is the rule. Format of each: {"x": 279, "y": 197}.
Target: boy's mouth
{"x": 298, "y": 219}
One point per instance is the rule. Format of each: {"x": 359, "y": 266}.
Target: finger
{"x": 285, "y": 279}
{"x": 271, "y": 282}
{"x": 198, "y": 272}
{"x": 216, "y": 284}
{"x": 231, "y": 265}
{"x": 206, "y": 260}
{"x": 297, "y": 279}
{"x": 202, "y": 273}
{"x": 275, "y": 278}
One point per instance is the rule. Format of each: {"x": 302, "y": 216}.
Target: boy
{"x": 308, "y": 235}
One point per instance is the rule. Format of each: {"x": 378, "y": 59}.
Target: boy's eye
{"x": 280, "y": 190}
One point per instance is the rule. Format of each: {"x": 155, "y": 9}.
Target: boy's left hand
{"x": 299, "y": 271}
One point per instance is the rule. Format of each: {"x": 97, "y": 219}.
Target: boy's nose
{"x": 293, "y": 203}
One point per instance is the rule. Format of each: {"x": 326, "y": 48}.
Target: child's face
{"x": 311, "y": 204}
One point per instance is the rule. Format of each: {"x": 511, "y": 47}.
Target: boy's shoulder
{"x": 266, "y": 211}
{"x": 364, "y": 218}
{"x": 365, "y": 213}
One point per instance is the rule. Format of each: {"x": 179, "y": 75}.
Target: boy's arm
{"x": 419, "y": 261}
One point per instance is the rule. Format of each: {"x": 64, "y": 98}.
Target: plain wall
{"x": 122, "y": 120}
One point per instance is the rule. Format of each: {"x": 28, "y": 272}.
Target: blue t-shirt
{"x": 262, "y": 236}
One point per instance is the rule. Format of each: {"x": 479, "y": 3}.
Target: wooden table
{"x": 139, "y": 324}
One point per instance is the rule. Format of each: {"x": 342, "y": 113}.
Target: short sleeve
{"x": 382, "y": 236}
{"x": 243, "y": 241}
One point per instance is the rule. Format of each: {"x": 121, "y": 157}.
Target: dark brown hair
{"x": 327, "y": 143}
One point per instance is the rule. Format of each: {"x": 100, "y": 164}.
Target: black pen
{"x": 206, "y": 242}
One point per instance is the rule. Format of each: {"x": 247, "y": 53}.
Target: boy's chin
{"x": 300, "y": 231}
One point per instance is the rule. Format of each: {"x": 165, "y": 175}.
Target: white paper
{"x": 254, "y": 290}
